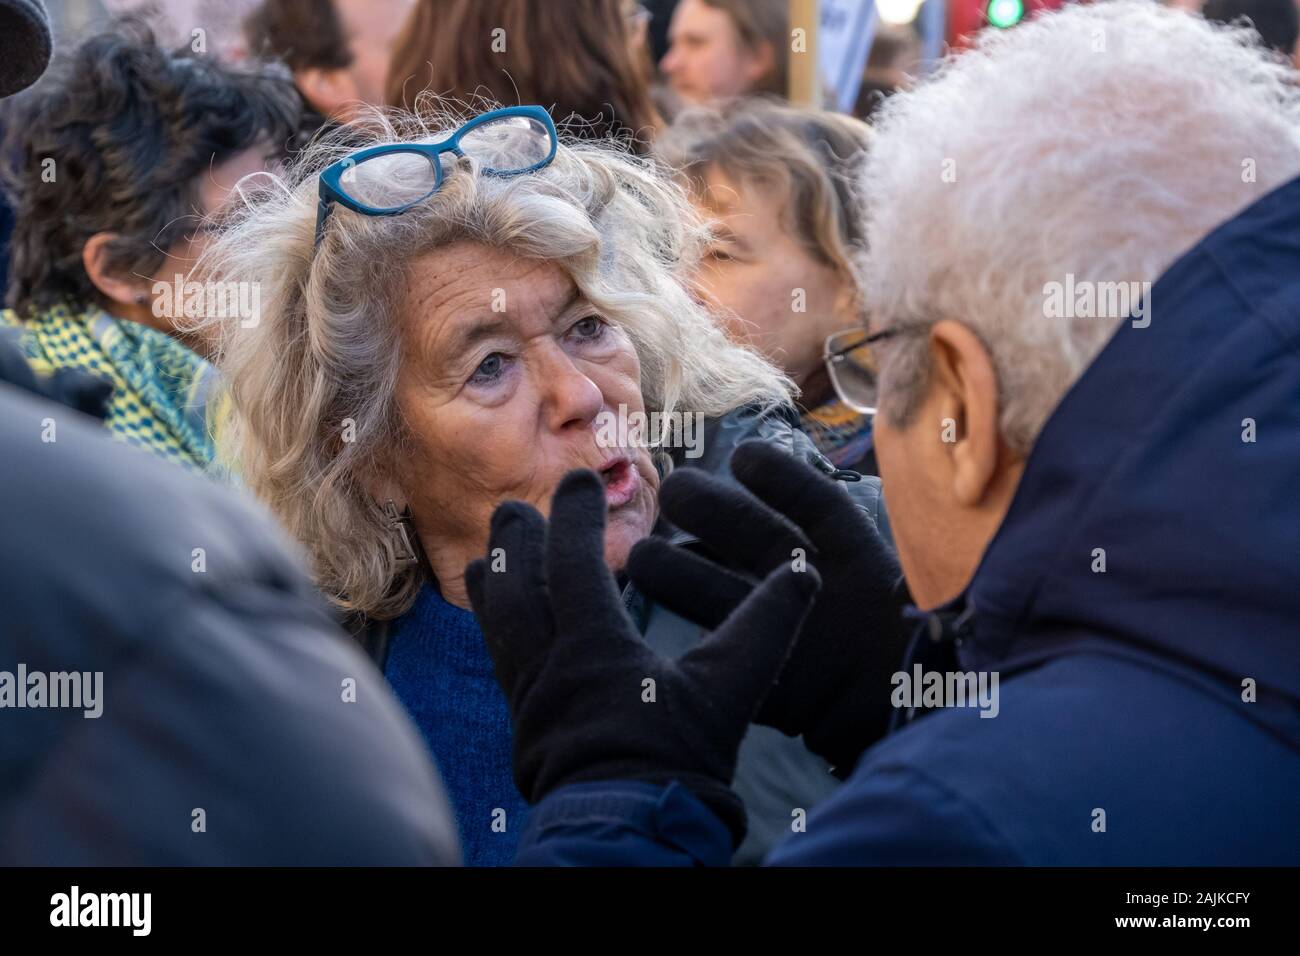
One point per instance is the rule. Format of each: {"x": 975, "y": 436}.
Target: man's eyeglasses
{"x": 388, "y": 180}
{"x": 854, "y": 368}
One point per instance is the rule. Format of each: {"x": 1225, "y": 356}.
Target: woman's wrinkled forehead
{"x": 464, "y": 292}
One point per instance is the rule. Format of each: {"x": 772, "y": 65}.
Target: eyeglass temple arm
{"x": 323, "y": 207}
{"x": 871, "y": 339}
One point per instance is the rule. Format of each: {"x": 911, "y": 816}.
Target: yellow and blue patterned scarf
{"x": 161, "y": 390}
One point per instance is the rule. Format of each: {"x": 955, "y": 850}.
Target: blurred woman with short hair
{"x": 778, "y": 184}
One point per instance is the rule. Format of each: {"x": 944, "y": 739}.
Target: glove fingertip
{"x": 581, "y": 482}
{"x": 647, "y": 554}
{"x": 511, "y": 511}
{"x": 806, "y": 582}
{"x": 577, "y": 508}
{"x": 787, "y": 594}
{"x": 683, "y": 487}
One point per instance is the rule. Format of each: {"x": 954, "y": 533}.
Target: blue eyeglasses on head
{"x": 390, "y": 179}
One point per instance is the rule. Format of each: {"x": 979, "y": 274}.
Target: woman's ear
{"x": 967, "y": 382}
{"x": 129, "y": 293}
{"x": 385, "y": 488}
{"x": 847, "y": 305}
{"x": 762, "y": 60}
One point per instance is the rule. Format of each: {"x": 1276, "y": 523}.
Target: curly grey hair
{"x": 1098, "y": 142}
{"x": 320, "y": 365}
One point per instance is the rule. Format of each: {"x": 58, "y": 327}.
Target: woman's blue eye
{"x": 589, "y": 328}
{"x": 489, "y": 369}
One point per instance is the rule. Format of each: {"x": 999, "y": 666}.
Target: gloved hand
{"x": 589, "y": 700}
{"x": 835, "y": 689}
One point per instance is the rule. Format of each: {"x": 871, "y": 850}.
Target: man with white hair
{"x": 1084, "y": 307}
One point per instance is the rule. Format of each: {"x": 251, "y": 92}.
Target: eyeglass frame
{"x": 830, "y": 356}
{"x": 330, "y": 188}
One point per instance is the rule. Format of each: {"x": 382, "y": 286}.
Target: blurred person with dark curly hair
{"x": 116, "y": 165}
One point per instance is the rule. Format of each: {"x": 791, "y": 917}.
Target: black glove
{"x": 574, "y": 669}
{"x": 835, "y": 689}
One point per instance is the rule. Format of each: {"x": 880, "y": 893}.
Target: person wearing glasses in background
{"x": 777, "y": 184}
{"x": 118, "y": 162}
{"x": 479, "y": 297}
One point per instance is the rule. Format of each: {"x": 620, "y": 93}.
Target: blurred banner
{"x": 845, "y": 31}
{"x": 848, "y": 28}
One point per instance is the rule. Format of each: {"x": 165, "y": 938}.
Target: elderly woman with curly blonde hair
{"x": 447, "y": 318}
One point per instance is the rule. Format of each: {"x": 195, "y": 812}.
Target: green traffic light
{"x": 1004, "y": 14}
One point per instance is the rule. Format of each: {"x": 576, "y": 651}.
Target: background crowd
{"x": 429, "y": 338}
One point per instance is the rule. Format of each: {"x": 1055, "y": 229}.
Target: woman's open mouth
{"x": 621, "y": 481}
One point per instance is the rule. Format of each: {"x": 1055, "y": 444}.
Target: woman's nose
{"x": 571, "y": 399}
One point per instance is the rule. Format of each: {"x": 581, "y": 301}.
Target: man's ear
{"x": 967, "y": 386}
{"x": 130, "y": 291}
{"x": 332, "y": 93}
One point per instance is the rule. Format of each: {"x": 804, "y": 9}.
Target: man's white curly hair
{"x": 1101, "y": 141}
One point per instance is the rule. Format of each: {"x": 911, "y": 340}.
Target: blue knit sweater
{"x": 438, "y": 665}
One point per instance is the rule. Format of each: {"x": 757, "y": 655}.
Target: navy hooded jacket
{"x": 1148, "y": 713}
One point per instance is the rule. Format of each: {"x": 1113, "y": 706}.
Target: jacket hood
{"x": 1176, "y": 459}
